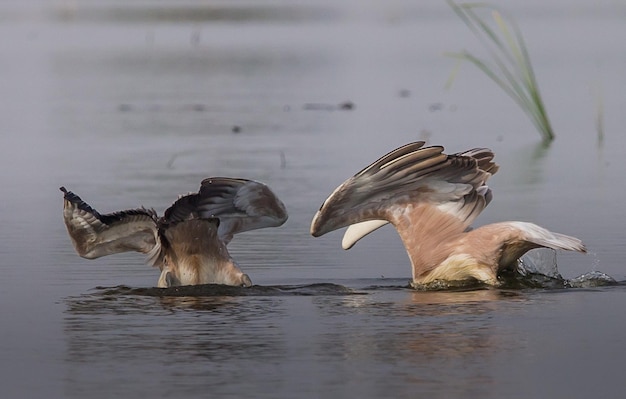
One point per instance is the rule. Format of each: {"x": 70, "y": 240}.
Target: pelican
{"x": 189, "y": 242}
{"x": 431, "y": 199}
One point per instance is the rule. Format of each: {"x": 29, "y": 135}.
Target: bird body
{"x": 189, "y": 243}
{"x": 431, "y": 199}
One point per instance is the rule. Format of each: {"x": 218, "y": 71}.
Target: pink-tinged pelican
{"x": 189, "y": 242}
{"x": 431, "y": 198}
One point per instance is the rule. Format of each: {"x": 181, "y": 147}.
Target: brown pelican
{"x": 431, "y": 198}
{"x": 189, "y": 242}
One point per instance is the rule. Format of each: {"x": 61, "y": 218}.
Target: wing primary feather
{"x": 94, "y": 235}
{"x": 240, "y": 205}
{"x": 398, "y": 152}
{"x": 410, "y": 177}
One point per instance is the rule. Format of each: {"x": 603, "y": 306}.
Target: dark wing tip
{"x": 76, "y": 200}
{"x": 107, "y": 218}
{"x": 70, "y": 196}
{"x": 111, "y": 218}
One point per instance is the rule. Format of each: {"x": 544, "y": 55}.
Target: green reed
{"x": 600, "y": 115}
{"x": 510, "y": 65}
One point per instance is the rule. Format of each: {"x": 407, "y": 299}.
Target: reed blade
{"x": 509, "y": 65}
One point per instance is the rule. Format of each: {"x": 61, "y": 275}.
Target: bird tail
{"x": 545, "y": 238}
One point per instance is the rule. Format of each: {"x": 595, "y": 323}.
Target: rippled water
{"x": 133, "y": 104}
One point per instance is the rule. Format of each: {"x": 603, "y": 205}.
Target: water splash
{"x": 592, "y": 279}
{"x": 540, "y": 261}
{"x": 539, "y": 268}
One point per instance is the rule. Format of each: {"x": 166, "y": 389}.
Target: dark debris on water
{"x": 343, "y": 106}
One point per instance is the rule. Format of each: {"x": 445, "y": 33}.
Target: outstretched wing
{"x": 95, "y": 235}
{"x": 404, "y": 185}
{"x": 239, "y": 204}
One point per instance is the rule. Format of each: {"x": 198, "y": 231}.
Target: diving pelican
{"x": 188, "y": 243}
{"x": 431, "y": 198}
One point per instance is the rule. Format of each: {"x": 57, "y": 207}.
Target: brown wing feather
{"x": 239, "y": 204}
{"x": 94, "y": 235}
{"x": 409, "y": 176}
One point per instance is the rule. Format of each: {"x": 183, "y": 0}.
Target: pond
{"x": 134, "y": 104}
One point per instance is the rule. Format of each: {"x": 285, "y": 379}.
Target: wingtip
{"x": 69, "y": 196}
{"x": 314, "y": 230}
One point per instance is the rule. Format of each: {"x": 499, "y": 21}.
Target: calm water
{"x": 133, "y": 104}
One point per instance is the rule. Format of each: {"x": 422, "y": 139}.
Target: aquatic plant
{"x": 600, "y": 116}
{"x": 510, "y": 65}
